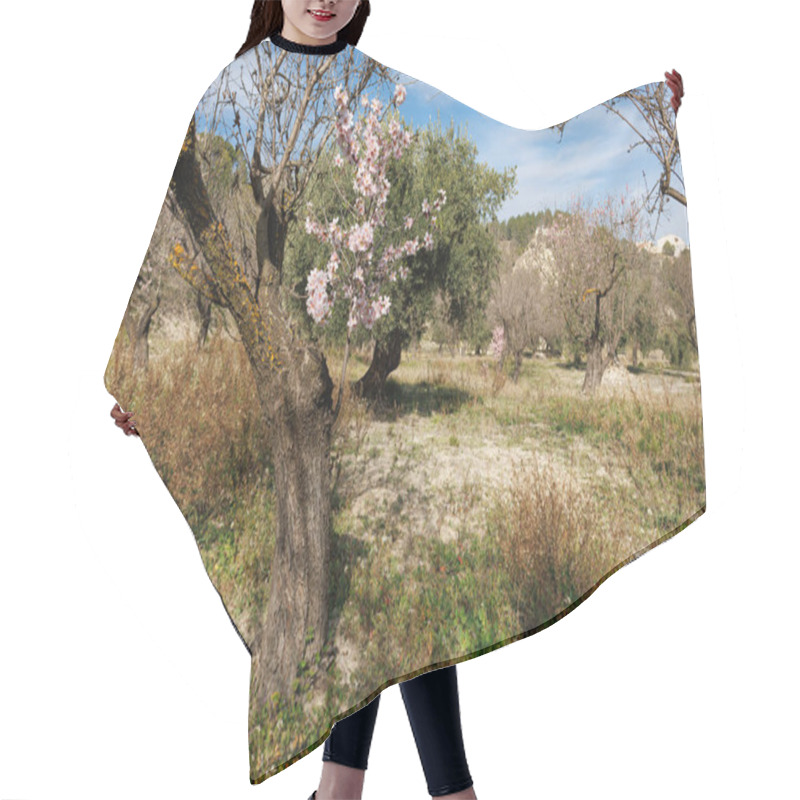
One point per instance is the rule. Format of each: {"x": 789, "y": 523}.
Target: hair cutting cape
{"x": 419, "y": 381}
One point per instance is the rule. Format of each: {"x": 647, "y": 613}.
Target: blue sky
{"x": 591, "y": 159}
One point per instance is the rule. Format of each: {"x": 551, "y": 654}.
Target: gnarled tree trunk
{"x": 295, "y": 621}
{"x": 595, "y": 366}
{"x": 385, "y": 360}
{"x": 295, "y": 394}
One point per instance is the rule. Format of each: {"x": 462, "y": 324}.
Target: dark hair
{"x": 266, "y": 18}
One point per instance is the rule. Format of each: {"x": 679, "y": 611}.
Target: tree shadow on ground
{"x": 423, "y": 398}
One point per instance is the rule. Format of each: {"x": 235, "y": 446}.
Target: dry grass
{"x": 552, "y": 540}
{"x": 199, "y": 420}
{"x": 467, "y": 510}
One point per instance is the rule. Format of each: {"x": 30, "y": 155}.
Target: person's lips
{"x": 321, "y": 15}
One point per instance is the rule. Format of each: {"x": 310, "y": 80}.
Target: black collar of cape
{"x": 316, "y": 49}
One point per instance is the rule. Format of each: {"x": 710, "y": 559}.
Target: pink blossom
{"x": 360, "y": 238}
{"x": 368, "y": 146}
{"x": 318, "y": 303}
{"x": 498, "y": 342}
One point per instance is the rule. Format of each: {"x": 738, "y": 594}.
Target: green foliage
{"x": 678, "y": 349}
{"x": 641, "y": 330}
{"x": 456, "y": 600}
{"x": 521, "y": 228}
{"x": 459, "y": 268}
{"x": 223, "y": 165}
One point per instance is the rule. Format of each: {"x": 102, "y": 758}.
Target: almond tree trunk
{"x": 294, "y": 624}
{"x": 295, "y": 394}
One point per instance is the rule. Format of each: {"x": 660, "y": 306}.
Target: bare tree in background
{"x": 521, "y": 303}
{"x": 149, "y": 290}
{"x": 596, "y": 260}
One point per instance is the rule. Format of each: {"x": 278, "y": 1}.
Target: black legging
{"x": 432, "y": 706}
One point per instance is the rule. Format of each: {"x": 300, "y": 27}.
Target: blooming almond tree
{"x": 498, "y": 345}
{"x": 353, "y": 269}
{"x": 291, "y": 377}
{"x": 278, "y": 134}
